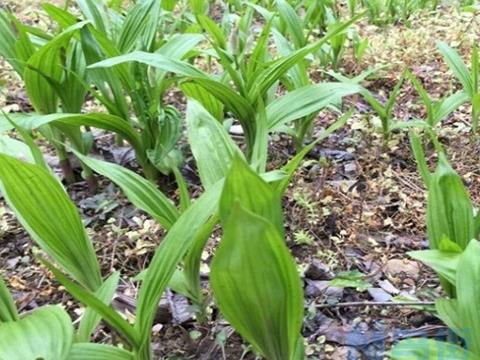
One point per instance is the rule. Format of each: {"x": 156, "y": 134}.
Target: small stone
{"x": 319, "y": 288}
{"x": 402, "y": 268}
{"x": 379, "y": 294}
{"x": 317, "y": 270}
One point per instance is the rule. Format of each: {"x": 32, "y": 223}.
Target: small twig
{"x": 376, "y": 303}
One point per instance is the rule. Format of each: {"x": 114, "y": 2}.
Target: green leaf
{"x": 424, "y": 96}
{"x": 156, "y": 60}
{"x": 294, "y": 163}
{"x": 15, "y": 148}
{"x": 234, "y": 102}
{"x": 8, "y": 310}
{"x": 45, "y": 211}
{"x": 35, "y": 151}
{"x": 420, "y": 158}
{"x": 9, "y": 39}
{"x": 89, "y": 299}
{"x": 350, "y": 279}
{"x": 449, "y": 209}
{"x": 448, "y": 105}
{"x": 44, "y": 67}
{"x": 84, "y": 351}
{"x": 140, "y": 26}
{"x": 468, "y": 295}
{"x": 256, "y": 284}
{"x": 98, "y": 120}
{"x": 61, "y": 16}
{"x": 305, "y": 101}
{"x": 91, "y": 318}
{"x": 238, "y": 105}
{"x": 96, "y": 12}
{"x": 458, "y": 67}
{"x": 208, "y": 101}
{"x": 245, "y": 187}
{"x": 213, "y": 30}
{"x": 211, "y": 145}
{"x": 178, "y": 45}
{"x": 267, "y": 77}
{"x": 444, "y": 263}
{"x": 47, "y": 333}
{"x": 423, "y": 349}
{"x": 448, "y": 312}
{"x": 167, "y": 256}
{"x": 141, "y": 192}
{"x": 293, "y": 22}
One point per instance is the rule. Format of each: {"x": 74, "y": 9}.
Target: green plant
{"x": 254, "y": 278}
{"x": 245, "y": 88}
{"x": 439, "y": 109}
{"x": 188, "y": 231}
{"x": 450, "y": 213}
{"x": 468, "y": 78}
{"x": 53, "y": 72}
{"x": 50, "y": 76}
{"x": 385, "y": 111}
{"x": 461, "y": 314}
{"x": 46, "y": 333}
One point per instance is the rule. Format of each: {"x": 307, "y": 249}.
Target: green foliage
{"x": 8, "y": 310}
{"x": 254, "y": 278}
{"x": 48, "y": 333}
{"x": 55, "y": 224}
{"x": 451, "y": 221}
{"x": 460, "y": 314}
{"x": 385, "y": 111}
{"x": 127, "y": 57}
{"x": 440, "y": 109}
{"x": 468, "y": 78}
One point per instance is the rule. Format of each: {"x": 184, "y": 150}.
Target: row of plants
{"x": 453, "y": 227}
{"x": 251, "y": 68}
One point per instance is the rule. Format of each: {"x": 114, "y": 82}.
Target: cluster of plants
{"x": 382, "y": 12}
{"x": 453, "y": 227}
{"x": 251, "y": 69}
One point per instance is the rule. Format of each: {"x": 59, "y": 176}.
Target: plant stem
{"x": 192, "y": 266}
{"x": 376, "y": 303}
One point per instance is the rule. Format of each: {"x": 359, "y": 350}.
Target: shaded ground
{"x": 354, "y": 206}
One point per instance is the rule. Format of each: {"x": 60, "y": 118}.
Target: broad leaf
{"x": 211, "y": 145}
{"x": 448, "y": 311}
{"x": 305, "y": 101}
{"x": 245, "y": 187}
{"x": 85, "y": 351}
{"x": 44, "y": 209}
{"x": 458, "y": 67}
{"x": 89, "y": 299}
{"x": 468, "y": 295}
{"x": 8, "y": 310}
{"x": 449, "y": 209}
{"x": 47, "y": 333}
{"x": 167, "y": 256}
{"x": 425, "y": 349}
{"x": 444, "y": 263}
{"x": 141, "y": 192}
{"x": 256, "y": 284}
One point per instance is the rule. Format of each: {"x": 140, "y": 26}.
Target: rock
{"x": 402, "y": 268}
{"x": 388, "y": 287}
{"x": 318, "y": 271}
{"x": 379, "y": 294}
{"x": 319, "y": 288}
